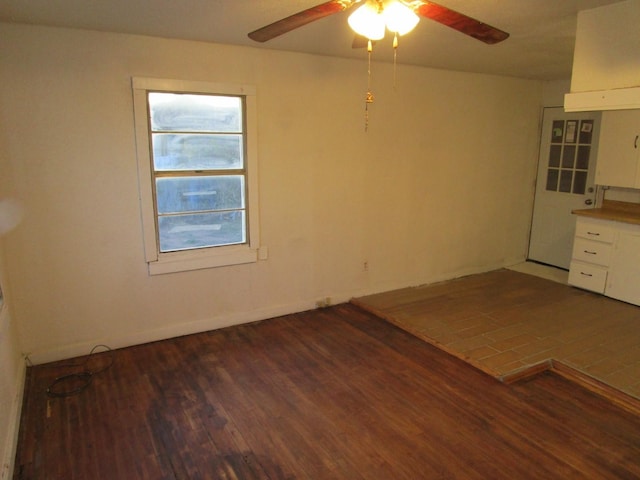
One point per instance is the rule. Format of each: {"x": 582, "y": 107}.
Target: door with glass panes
{"x": 566, "y": 169}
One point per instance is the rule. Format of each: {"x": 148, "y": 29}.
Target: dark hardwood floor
{"x": 329, "y": 394}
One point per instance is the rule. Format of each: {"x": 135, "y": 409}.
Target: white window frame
{"x": 169, "y": 262}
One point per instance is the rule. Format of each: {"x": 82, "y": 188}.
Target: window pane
{"x": 184, "y": 232}
{"x": 568, "y": 156}
{"x": 552, "y": 179}
{"x": 557, "y": 131}
{"x": 197, "y": 194}
{"x": 580, "y": 182}
{"x": 554, "y": 155}
{"x": 197, "y": 151}
{"x": 586, "y": 131}
{"x": 176, "y": 112}
{"x": 582, "y": 162}
{"x": 571, "y": 134}
{"x": 565, "y": 180}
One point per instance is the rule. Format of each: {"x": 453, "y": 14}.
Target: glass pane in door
{"x": 569, "y": 151}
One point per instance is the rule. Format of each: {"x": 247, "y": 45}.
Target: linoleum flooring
{"x": 507, "y": 321}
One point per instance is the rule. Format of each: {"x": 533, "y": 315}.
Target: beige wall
{"x": 553, "y": 92}
{"x": 12, "y": 366}
{"x": 440, "y": 186}
{"x": 12, "y": 372}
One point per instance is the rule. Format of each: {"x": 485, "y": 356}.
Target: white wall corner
{"x": 11, "y": 440}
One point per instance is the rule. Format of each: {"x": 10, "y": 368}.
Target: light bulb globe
{"x": 367, "y": 21}
{"x": 399, "y": 18}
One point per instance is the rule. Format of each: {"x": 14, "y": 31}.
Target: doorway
{"x": 566, "y": 169}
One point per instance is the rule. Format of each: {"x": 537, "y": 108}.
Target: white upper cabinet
{"x": 606, "y": 64}
{"x": 618, "y": 163}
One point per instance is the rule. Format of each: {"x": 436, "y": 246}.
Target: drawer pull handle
{"x": 593, "y": 233}
{"x": 586, "y": 274}
{"x": 590, "y": 253}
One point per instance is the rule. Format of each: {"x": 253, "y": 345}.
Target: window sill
{"x": 191, "y": 260}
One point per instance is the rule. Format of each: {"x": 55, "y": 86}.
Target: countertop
{"x": 625, "y": 212}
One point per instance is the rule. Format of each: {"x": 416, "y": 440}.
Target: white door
{"x": 566, "y": 169}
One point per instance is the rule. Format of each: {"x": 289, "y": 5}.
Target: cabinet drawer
{"x": 591, "y": 252}
{"x": 595, "y": 231}
{"x": 589, "y": 277}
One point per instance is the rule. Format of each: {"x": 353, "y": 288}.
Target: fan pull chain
{"x": 369, "y": 97}
{"x": 395, "y": 57}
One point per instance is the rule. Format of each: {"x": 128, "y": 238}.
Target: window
{"x": 569, "y": 156}
{"x": 197, "y": 170}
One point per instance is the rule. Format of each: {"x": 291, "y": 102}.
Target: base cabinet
{"x": 606, "y": 259}
{"x": 623, "y": 281}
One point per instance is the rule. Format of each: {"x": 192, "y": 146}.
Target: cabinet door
{"x": 623, "y": 281}
{"x": 619, "y": 149}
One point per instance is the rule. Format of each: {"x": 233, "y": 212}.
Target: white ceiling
{"x": 540, "y": 46}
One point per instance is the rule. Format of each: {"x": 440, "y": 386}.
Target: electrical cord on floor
{"x": 77, "y": 382}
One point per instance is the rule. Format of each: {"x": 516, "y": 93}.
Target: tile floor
{"x": 506, "y": 321}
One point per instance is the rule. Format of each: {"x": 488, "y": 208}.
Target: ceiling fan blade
{"x": 461, "y": 22}
{"x": 301, "y": 18}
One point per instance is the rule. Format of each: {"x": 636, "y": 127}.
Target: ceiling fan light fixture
{"x": 399, "y": 18}
{"x": 368, "y": 21}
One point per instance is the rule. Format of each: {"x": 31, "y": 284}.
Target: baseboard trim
{"x": 614, "y": 395}
{"x": 169, "y": 331}
{"x": 527, "y": 372}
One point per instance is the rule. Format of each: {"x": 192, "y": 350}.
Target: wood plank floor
{"x": 332, "y": 394}
{"x": 504, "y": 322}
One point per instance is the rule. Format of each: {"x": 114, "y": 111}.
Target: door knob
{"x": 588, "y": 201}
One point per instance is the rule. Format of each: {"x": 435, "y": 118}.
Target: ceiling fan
{"x": 458, "y": 21}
